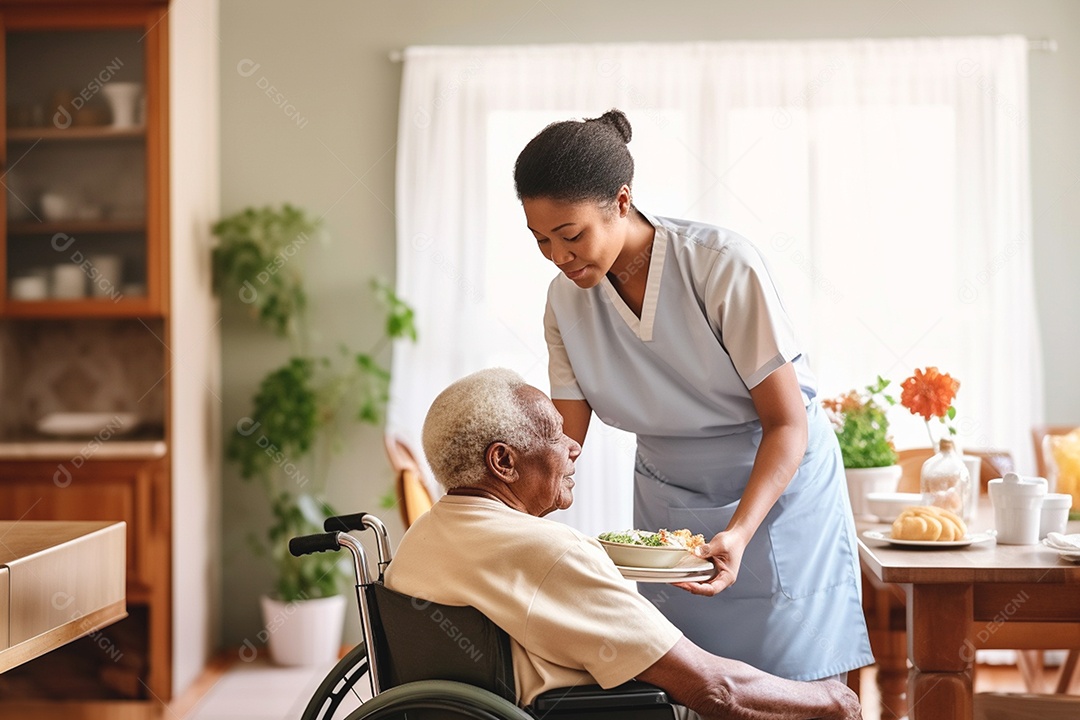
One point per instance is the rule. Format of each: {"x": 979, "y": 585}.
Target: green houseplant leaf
{"x": 862, "y": 429}
{"x": 307, "y": 402}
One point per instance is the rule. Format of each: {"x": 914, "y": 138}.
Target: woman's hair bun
{"x": 617, "y": 120}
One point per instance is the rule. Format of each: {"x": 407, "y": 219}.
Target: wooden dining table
{"x": 930, "y": 610}
{"x": 59, "y": 581}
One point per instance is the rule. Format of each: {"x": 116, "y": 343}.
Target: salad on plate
{"x": 682, "y": 539}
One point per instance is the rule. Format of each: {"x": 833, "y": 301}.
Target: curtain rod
{"x": 1041, "y": 45}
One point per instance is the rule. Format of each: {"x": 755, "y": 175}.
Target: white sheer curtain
{"x": 886, "y": 180}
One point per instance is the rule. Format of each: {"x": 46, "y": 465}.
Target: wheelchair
{"x": 426, "y": 660}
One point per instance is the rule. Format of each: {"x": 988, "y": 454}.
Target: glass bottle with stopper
{"x": 946, "y": 482}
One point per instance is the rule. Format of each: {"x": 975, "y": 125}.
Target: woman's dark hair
{"x": 577, "y": 160}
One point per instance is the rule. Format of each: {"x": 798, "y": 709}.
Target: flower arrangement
{"x": 861, "y": 426}
{"x": 930, "y": 393}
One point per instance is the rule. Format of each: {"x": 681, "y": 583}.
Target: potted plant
{"x": 299, "y": 415}
{"x": 862, "y": 430}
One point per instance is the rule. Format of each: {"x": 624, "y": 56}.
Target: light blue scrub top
{"x": 712, "y": 326}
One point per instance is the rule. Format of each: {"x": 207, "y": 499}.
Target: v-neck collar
{"x": 643, "y": 326}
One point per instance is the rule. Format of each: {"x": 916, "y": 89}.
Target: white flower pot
{"x": 862, "y": 481}
{"x": 304, "y": 632}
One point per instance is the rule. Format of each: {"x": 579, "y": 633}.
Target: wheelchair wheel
{"x": 443, "y": 698}
{"x": 343, "y": 688}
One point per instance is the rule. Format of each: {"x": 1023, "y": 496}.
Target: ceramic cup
{"x": 56, "y": 206}
{"x": 1017, "y": 505}
{"x": 123, "y": 99}
{"x": 29, "y": 287}
{"x": 106, "y": 272}
{"x": 1055, "y": 513}
{"x": 68, "y": 282}
{"x": 974, "y": 466}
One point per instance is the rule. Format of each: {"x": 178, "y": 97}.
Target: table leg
{"x": 886, "y": 622}
{"x": 939, "y": 621}
{"x": 940, "y": 695}
{"x": 892, "y": 673}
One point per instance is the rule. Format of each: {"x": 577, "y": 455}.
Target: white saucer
{"x": 696, "y": 572}
{"x": 929, "y": 544}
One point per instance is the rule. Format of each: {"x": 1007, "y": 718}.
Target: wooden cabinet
{"x": 136, "y": 492}
{"x": 84, "y": 154}
{"x": 84, "y": 236}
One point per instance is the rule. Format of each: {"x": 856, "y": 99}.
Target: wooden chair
{"x": 1039, "y": 434}
{"x": 995, "y": 463}
{"x": 413, "y": 496}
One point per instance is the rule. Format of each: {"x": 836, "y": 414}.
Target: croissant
{"x": 928, "y": 523}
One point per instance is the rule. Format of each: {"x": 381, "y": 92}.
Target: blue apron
{"x": 795, "y": 609}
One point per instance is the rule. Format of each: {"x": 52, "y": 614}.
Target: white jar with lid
{"x": 1017, "y": 505}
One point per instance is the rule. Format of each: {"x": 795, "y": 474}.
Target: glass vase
{"x": 946, "y": 482}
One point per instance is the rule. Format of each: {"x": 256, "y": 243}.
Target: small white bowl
{"x": 888, "y": 505}
{"x": 645, "y": 556}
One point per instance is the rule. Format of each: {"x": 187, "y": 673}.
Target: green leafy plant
{"x": 302, "y": 409}
{"x": 254, "y": 258}
{"x": 861, "y": 426}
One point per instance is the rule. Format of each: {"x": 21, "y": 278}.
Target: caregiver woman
{"x": 673, "y": 330}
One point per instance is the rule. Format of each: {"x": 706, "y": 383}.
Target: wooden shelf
{"x": 82, "y": 308}
{"x": 77, "y": 132}
{"x": 75, "y": 226}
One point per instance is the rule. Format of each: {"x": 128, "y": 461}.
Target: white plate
{"x": 87, "y": 424}
{"x": 963, "y": 542}
{"x": 696, "y": 572}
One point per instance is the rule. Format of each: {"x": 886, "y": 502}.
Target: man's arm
{"x": 716, "y": 687}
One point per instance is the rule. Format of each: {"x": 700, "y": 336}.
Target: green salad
{"x": 665, "y": 538}
{"x": 634, "y": 537}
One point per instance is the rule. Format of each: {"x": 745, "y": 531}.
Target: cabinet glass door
{"x": 76, "y": 171}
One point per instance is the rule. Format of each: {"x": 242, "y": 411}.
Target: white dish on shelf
{"x": 969, "y": 539}
{"x": 87, "y": 424}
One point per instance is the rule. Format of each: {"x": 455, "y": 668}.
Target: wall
{"x": 309, "y": 115}
{"x": 194, "y": 340}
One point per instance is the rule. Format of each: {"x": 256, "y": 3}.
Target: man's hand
{"x": 847, "y": 701}
{"x": 726, "y": 551}
{"x": 716, "y": 687}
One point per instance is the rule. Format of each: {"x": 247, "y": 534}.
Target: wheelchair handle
{"x": 308, "y": 544}
{"x": 345, "y": 523}
{"x": 361, "y": 521}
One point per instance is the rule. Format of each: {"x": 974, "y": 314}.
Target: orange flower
{"x": 929, "y": 393}
{"x": 845, "y": 403}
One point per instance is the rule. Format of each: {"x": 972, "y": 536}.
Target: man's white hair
{"x": 468, "y": 416}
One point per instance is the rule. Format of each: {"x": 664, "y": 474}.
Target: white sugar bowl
{"x": 1017, "y": 505}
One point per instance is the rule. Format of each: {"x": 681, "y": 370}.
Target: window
{"x": 867, "y": 171}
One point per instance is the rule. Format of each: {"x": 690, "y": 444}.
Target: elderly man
{"x": 496, "y": 444}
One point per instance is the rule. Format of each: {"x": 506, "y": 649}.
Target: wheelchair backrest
{"x": 421, "y": 640}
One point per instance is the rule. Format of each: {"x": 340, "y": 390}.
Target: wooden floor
{"x": 214, "y": 691}
{"x": 988, "y": 678}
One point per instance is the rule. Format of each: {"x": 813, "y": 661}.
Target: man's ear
{"x": 501, "y": 462}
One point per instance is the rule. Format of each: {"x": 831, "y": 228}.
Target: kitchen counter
{"x": 59, "y": 581}
{"x": 67, "y": 449}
